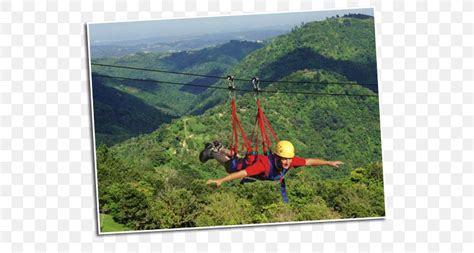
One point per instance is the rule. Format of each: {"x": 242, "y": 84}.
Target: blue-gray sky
{"x": 119, "y": 31}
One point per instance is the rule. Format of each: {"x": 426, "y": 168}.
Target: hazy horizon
{"x": 137, "y": 30}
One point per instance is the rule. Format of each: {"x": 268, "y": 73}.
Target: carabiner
{"x": 256, "y": 84}
{"x": 231, "y": 85}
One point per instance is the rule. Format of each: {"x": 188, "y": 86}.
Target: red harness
{"x": 251, "y": 155}
{"x": 262, "y": 123}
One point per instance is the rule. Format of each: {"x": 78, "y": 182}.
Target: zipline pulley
{"x": 256, "y": 84}
{"x": 231, "y": 85}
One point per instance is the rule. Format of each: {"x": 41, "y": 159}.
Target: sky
{"x": 120, "y": 31}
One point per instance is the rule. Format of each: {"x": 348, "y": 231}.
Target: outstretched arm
{"x": 319, "y": 162}
{"x": 230, "y": 177}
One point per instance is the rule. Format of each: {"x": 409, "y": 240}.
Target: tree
{"x": 225, "y": 209}
{"x": 176, "y": 208}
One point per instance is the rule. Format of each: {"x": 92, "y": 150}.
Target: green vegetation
{"x": 168, "y": 198}
{"x": 107, "y": 224}
{"x": 159, "y": 103}
{"x": 119, "y": 116}
{"x": 168, "y": 188}
{"x": 155, "y": 180}
{"x": 343, "y": 45}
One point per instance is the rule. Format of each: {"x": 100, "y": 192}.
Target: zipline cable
{"x": 236, "y": 89}
{"x": 157, "y": 70}
{"x": 225, "y": 77}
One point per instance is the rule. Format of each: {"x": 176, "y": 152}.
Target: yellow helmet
{"x": 285, "y": 149}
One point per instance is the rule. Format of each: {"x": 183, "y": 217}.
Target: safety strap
{"x": 284, "y": 196}
{"x": 263, "y": 123}
{"x": 235, "y": 138}
{"x": 281, "y": 177}
{"x": 263, "y": 131}
{"x": 269, "y": 127}
{"x": 254, "y": 135}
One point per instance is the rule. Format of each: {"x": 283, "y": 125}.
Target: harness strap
{"x": 235, "y": 124}
{"x": 281, "y": 177}
{"x": 254, "y": 133}
{"x": 284, "y": 196}
{"x": 270, "y": 127}
{"x": 263, "y": 131}
{"x": 250, "y": 159}
{"x": 235, "y": 140}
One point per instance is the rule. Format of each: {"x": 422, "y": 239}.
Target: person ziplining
{"x": 269, "y": 166}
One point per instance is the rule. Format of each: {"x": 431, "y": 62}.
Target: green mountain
{"x": 155, "y": 181}
{"x": 119, "y": 116}
{"x": 345, "y": 45}
{"x": 167, "y": 101}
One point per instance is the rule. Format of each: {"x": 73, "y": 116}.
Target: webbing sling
{"x": 235, "y": 138}
{"x": 261, "y": 122}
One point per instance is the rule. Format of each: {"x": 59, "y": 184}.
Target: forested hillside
{"x": 343, "y": 45}
{"x": 155, "y": 181}
{"x": 119, "y": 116}
{"x": 169, "y": 101}
{"x": 164, "y": 183}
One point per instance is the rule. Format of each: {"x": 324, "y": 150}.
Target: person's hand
{"x": 212, "y": 181}
{"x": 335, "y": 163}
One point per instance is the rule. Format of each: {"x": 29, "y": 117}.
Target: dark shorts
{"x": 234, "y": 165}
